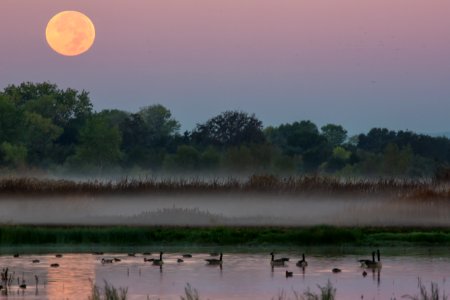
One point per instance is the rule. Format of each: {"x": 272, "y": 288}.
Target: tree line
{"x": 44, "y": 127}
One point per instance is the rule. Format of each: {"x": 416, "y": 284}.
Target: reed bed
{"x": 255, "y": 184}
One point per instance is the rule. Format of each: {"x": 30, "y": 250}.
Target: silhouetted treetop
{"x": 230, "y": 128}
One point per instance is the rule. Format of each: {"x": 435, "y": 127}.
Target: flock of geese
{"x": 274, "y": 262}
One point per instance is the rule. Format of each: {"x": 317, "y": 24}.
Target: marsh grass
{"x": 423, "y": 189}
{"x": 424, "y": 294}
{"x": 221, "y": 236}
{"x": 108, "y": 292}
{"x": 190, "y": 293}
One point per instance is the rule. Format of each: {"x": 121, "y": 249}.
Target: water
{"x": 243, "y": 275}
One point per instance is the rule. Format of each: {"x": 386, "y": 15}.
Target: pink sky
{"x": 353, "y": 62}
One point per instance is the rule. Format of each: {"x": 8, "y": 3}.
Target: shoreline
{"x": 247, "y": 237}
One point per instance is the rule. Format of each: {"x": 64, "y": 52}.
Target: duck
{"x": 58, "y": 255}
{"x": 289, "y": 274}
{"x": 180, "y": 260}
{"x": 16, "y": 255}
{"x": 116, "y": 259}
{"x": 302, "y": 263}
{"x": 158, "y": 262}
{"x": 215, "y": 261}
{"x": 187, "y": 255}
{"x": 276, "y": 262}
{"x": 54, "y": 265}
{"x": 364, "y": 273}
{"x": 35, "y": 261}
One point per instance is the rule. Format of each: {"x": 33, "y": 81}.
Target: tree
{"x": 301, "y": 139}
{"x": 148, "y": 135}
{"x": 99, "y": 145}
{"x": 14, "y": 155}
{"x": 335, "y": 134}
{"x": 228, "y": 129}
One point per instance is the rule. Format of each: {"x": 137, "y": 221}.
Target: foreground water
{"x": 243, "y": 275}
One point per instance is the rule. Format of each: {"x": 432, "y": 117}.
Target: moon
{"x": 70, "y": 33}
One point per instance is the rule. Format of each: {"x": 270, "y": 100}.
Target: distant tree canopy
{"x": 230, "y": 128}
{"x": 48, "y": 128}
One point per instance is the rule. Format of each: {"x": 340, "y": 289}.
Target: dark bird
{"x": 58, "y": 255}
{"x": 131, "y": 254}
{"x": 276, "y": 262}
{"x": 116, "y": 259}
{"x": 158, "y": 262}
{"x": 180, "y": 260}
{"x": 214, "y": 261}
{"x": 364, "y": 274}
{"x": 54, "y": 265}
{"x": 97, "y": 253}
{"x": 336, "y": 270}
{"x": 35, "y": 261}
{"x": 302, "y": 263}
{"x": 16, "y": 255}
{"x": 289, "y": 274}
{"x": 107, "y": 261}
{"x": 187, "y": 255}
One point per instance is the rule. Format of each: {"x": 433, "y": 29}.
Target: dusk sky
{"x": 362, "y": 64}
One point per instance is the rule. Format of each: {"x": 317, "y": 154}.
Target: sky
{"x": 362, "y": 64}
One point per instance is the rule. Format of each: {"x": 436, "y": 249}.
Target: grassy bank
{"x": 222, "y": 236}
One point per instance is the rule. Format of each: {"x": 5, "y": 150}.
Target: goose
{"x": 187, "y": 255}
{"x": 289, "y": 274}
{"x": 158, "y": 262}
{"x": 366, "y": 262}
{"x": 374, "y": 264}
{"x": 276, "y": 262}
{"x": 215, "y": 261}
{"x": 302, "y": 263}
{"x": 107, "y": 261}
{"x": 23, "y": 285}
{"x": 54, "y": 265}
{"x": 336, "y": 270}
{"x": 35, "y": 261}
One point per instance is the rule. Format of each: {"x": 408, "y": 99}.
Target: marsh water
{"x": 244, "y": 275}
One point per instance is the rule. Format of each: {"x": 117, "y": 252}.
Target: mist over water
{"x": 232, "y": 209}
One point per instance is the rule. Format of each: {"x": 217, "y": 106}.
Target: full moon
{"x": 70, "y": 33}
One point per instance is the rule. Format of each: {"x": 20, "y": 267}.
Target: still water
{"x": 243, "y": 275}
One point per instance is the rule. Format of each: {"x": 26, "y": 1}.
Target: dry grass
{"x": 255, "y": 184}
